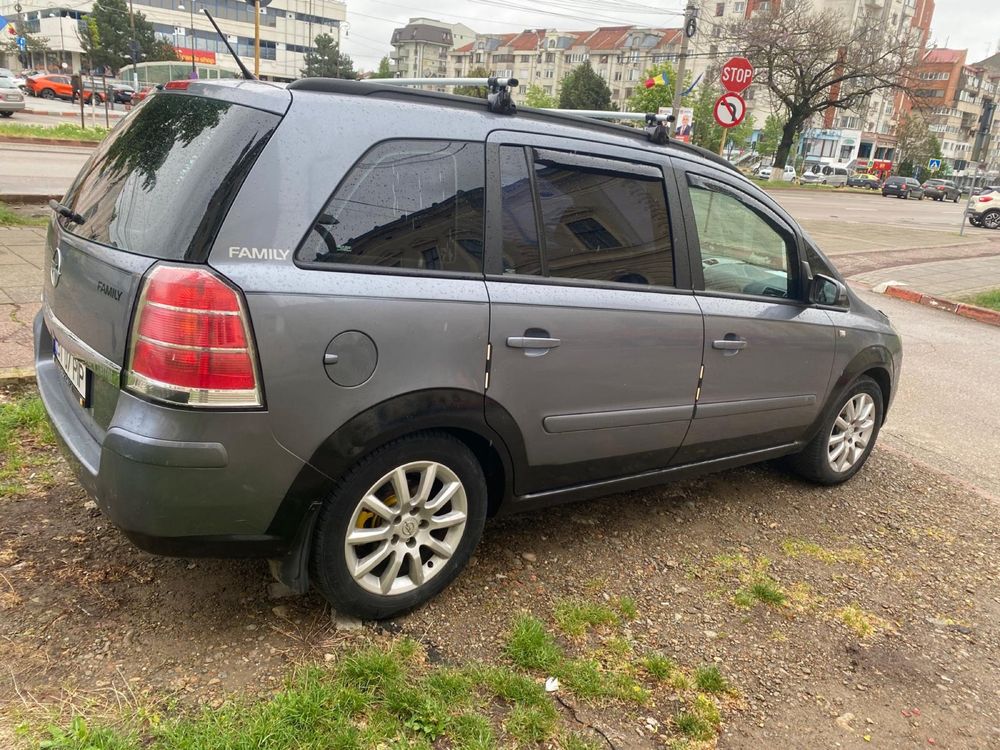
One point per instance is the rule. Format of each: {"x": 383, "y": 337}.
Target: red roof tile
{"x": 527, "y": 40}
{"x": 942, "y": 55}
{"x": 606, "y": 37}
{"x": 465, "y": 47}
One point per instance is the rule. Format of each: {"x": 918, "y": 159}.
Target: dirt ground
{"x": 888, "y": 635}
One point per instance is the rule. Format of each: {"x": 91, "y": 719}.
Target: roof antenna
{"x": 243, "y": 68}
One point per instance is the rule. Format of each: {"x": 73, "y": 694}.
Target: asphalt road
{"x": 945, "y": 412}
{"x": 39, "y": 169}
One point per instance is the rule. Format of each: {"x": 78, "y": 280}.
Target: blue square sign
{"x": 934, "y": 164}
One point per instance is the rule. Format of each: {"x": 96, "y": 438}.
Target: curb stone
{"x": 31, "y": 140}
{"x": 15, "y": 375}
{"x": 982, "y": 314}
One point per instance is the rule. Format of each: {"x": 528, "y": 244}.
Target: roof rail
{"x": 498, "y": 96}
{"x": 656, "y": 128}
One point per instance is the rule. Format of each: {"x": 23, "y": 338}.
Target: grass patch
{"x": 862, "y": 623}
{"x": 764, "y": 590}
{"x": 575, "y": 617}
{"x": 23, "y": 423}
{"x": 627, "y": 608}
{"x": 11, "y": 218}
{"x": 658, "y": 666}
{"x": 710, "y": 680}
{"x": 990, "y": 299}
{"x": 530, "y": 646}
{"x": 800, "y": 548}
{"x": 64, "y": 131}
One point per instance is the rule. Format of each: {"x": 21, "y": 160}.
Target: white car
{"x": 788, "y": 176}
{"x": 19, "y": 81}
{"x": 827, "y": 174}
{"x": 11, "y": 98}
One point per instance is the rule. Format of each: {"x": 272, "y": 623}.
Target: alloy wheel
{"x": 991, "y": 220}
{"x": 851, "y": 433}
{"x": 406, "y": 527}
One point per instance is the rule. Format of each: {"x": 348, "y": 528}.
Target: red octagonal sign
{"x": 737, "y": 74}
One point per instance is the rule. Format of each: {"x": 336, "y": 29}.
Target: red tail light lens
{"x": 177, "y": 85}
{"x": 191, "y": 341}
{"x": 986, "y": 199}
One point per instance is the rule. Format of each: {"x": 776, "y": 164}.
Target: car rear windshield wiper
{"x": 66, "y": 211}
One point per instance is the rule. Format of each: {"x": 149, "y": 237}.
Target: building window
{"x": 720, "y": 9}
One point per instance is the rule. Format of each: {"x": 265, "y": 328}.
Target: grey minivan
{"x": 338, "y": 325}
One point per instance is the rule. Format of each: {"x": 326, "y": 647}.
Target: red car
{"x": 57, "y": 86}
{"x": 142, "y": 93}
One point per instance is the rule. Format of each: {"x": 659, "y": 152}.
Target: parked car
{"x": 59, "y": 86}
{"x": 18, "y": 80}
{"x": 940, "y": 190}
{"x": 864, "y": 180}
{"x": 11, "y": 98}
{"x": 121, "y": 92}
{"x": 902, "y": 187}
{"x": 344, "y": 354}
{"x": 789, "y": 174}
{"x": 145, "y": 91}
{"x": 826, "y": 174}
{"x": 985, "y": 189}
{"x": 985, "y": 209}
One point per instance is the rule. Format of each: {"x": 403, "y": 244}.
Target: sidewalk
{"x": 953, "y": 279}
{"x": 21, "y": 264}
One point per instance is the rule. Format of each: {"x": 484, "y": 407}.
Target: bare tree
{"x": 813, "y": 60}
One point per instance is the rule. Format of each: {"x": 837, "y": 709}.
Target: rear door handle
{"x": 731, "y": 345}
{"x": 531, "y": 342}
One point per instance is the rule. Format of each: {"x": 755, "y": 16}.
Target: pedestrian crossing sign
{"x": 934, "y": 164}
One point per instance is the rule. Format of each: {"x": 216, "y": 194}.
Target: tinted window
{"x": 521, "y": 252}
{"x": 406, "y": 204}
{"x": 601, "y": 220}
{"x": 161, "y": 183}
{"x": 741, "y": 252}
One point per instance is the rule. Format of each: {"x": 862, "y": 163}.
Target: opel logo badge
{"x": 56, "y": 270}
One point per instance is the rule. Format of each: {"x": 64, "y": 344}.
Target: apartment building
{"x": 960, "y": 105}
{"x": 288, "y": 29}
{"x": 619, "y": 54}
{"x": 421, "y": 48}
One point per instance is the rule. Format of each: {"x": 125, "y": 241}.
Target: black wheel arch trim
{"x": 874, "y": 357}
{"x": 449, "y": 409}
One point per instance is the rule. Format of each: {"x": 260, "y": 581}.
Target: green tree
{"x": 915, "y": 145}
{"x": 106, "y": 36}
{"x": 584, "y": 89}
{"x": 650, "y": 100}
{"x": 384, "y": 71}
{"x": 770, "y": 136}
{"x": 36, "y": 45}
{"x": 707, "y": 133}
{"x": 327, "y": 61}
{"x": 535, "y": 96}
{"x": 476, "y": 92}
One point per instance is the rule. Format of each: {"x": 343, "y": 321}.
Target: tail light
{"x": 986, "y": 199}
{"x": 191, "y": 341}
{"x": 904, "y": 186}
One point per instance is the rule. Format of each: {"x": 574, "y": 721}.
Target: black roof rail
{"x": 568, "y": 117}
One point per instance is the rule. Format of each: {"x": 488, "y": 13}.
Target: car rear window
{"x": 161, "y": 183}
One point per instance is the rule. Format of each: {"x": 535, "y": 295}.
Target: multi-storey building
{"x": 960, "y": 104}
{"x": 288, "y": 29}
{"x": 543, "y": 57}
{"x": 420, "y": 49}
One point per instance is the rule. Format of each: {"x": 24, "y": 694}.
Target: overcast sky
{"x": 969, "y": 24}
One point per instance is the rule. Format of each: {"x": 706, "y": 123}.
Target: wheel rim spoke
{"x": 368, "y": 536}
{"x": 376, "y": 506}
{"x": 400, "y": 486}
{"x": 426, "y": 485}
{"x": 446, "y": 521}
{"x": 416, "y": 568}
{"x": 388, "y": 576}
{"x": 442, "y": 497}
{"x": 372, "y": 561}
{"x": 439, "y": 548}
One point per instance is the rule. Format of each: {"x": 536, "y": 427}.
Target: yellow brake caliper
{"x": 369, "y": 520}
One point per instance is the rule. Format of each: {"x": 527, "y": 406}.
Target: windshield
{"x": 162, "y": 182}
{"x": 7, "y": 83}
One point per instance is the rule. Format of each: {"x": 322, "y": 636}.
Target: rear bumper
{"x": 176, "y": 481}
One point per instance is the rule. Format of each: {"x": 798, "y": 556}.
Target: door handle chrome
{"x": 732, "y": 345}
{"x": 531, "y": 342}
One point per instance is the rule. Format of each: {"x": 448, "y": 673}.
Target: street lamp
{"x": 180, "y": 6}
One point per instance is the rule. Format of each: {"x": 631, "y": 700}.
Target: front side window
{"x": 599, "y": 219}
{"x": 741, "y": 252}
{"x": 408, "y": 205}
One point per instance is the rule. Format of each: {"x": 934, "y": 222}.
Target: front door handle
{"x": 730, "y": 345}
{"x": 532, "y": 342}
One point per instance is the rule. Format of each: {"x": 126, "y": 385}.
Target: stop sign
{"x": 737, "y": 74}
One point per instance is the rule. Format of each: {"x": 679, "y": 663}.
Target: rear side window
{"x": 584, "y": 217}
{"x": 407, "y": 205}
{"x": 162, "y": 182}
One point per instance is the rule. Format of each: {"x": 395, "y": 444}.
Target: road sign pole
{"x": 256, "y": 38}
{"x": 722, "y": 146}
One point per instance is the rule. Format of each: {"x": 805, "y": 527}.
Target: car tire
{"x": 356, "y": 576}
{"x": 6, "y": 114}
{"x": 955, "y": 200}
{"x": 834, "y": 455}
{"x": 991, "y": 219}
{"x": 974, "y": 221}
{"x": 47, "y": 94}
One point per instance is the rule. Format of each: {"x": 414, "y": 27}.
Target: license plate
{"x": 76, "y": 371}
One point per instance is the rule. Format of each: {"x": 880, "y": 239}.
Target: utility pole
{"x": 256, "y": 38}
{"x": 690, "y": 12}
{"x": 135, "y": 48}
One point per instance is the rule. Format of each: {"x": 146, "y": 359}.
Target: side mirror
{"x": 824, "y": 290}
